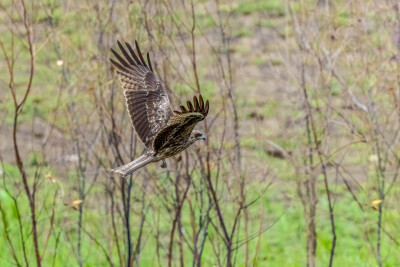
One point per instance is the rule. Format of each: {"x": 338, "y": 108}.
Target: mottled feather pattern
{"x": 164, "y": 133}
{"x": 182, "y": 124}
{"x": 146, "y": 110}
{"x": 178, "y": 127}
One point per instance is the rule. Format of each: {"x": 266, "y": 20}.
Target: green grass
{"x": 272, "y": 7}
{"x": 283, "y": 244}
{"x": 243, "y": 31}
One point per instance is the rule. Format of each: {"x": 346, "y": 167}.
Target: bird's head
{"x": 197, "y": 135}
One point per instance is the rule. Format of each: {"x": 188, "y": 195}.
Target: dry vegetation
{"x": 302, "y": 158}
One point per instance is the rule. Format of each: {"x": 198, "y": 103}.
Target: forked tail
{"x": 134, "y": 165}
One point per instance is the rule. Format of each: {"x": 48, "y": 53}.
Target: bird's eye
{"x": 198, "y": 135}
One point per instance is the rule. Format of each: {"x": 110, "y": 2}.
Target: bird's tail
{"x": 134, "y": 165}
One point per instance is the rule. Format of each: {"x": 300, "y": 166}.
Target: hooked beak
{"x": 203, "y": 138}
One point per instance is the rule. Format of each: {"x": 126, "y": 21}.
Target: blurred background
{"x": 302, "y": 159}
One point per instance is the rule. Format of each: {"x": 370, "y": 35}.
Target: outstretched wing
{"x": 181, "y": 125}
{"x": 147, "y": 102}
{"x": 177, "y": 132}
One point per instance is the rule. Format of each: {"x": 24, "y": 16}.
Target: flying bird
{"x": 164, "y": 132}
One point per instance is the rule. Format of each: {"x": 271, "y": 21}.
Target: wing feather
{"x": 178, "y": 130}
{"x": 147, "y": 101}
{"x": 181, "y": 125}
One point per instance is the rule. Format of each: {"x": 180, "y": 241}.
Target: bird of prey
{"x": 164, "y": 132}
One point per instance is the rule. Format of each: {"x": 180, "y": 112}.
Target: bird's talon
{"x": 164, "y": 164}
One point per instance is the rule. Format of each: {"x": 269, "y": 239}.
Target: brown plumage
{"x": 163, "y": 132}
